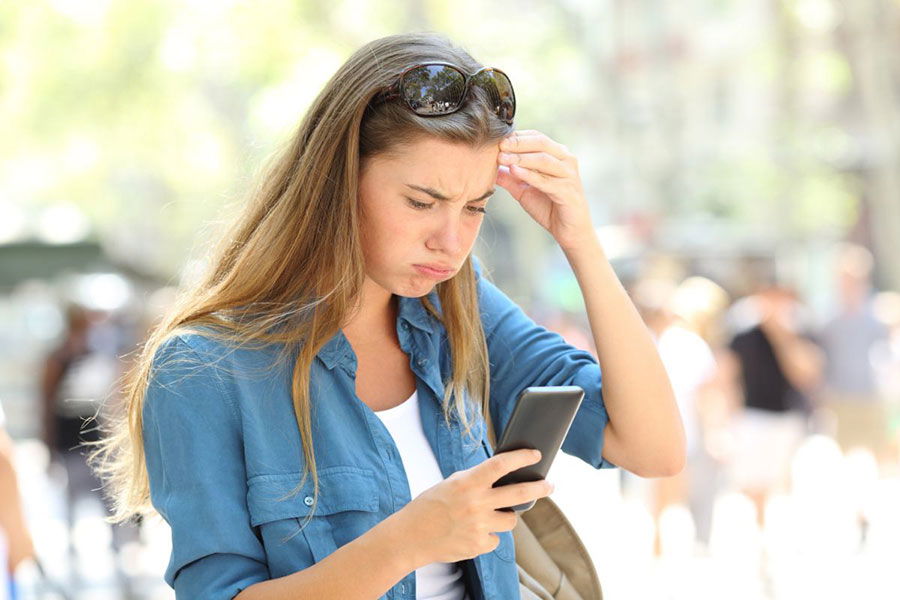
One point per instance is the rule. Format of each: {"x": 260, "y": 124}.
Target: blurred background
{"x": 742, "y": 159}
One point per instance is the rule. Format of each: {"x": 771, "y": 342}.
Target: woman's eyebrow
{"x": 439, "y": 196}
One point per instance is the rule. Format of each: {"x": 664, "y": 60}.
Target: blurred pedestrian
{"x": 690, "y": 365}
{"x": 886, "y": 358}
{"x": 848, "y": 338}
{"x": 71, "y": 388}
{"x": 79, "y": 375}
{"x": 777, "y": 367}
{"x": 700, "y": 304}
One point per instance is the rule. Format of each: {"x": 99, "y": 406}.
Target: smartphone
{"x": 540, "y": 419}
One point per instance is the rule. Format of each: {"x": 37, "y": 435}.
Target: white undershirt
{"x": 439, "y": 580}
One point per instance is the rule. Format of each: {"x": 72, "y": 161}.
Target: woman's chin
{"x": 418, "y": 288}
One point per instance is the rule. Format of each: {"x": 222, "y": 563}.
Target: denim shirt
{"x": 223, "y": 449}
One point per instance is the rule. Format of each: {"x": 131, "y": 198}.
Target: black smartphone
{"x": 540, "y": 419}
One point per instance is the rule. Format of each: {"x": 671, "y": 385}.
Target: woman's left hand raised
{"x": 542, "y": 175}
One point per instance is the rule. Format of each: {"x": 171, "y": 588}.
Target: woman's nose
{"x": 448, "y": 236}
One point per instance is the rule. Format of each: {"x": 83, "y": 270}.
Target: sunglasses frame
{"x": 393, "y": 91}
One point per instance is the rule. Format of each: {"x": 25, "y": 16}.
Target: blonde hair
{"x": 700, "y": 302}
{"x": 290, "y": 267}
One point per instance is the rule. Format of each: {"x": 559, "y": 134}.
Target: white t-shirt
{"x": 436, "y": 581}
{"x": 689, "y": 362}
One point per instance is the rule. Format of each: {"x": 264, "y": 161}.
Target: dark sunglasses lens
{"x": 433, "y": 89}
{"x": 500, "y": 90}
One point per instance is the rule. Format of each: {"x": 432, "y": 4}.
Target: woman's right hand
{"x": 454, "y": 519}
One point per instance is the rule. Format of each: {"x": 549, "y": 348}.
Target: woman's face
{"x": 403, "y": 223}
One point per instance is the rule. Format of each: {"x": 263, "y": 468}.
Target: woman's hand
{"x": 455, "y": 519}
{"x": 543, "y": 176}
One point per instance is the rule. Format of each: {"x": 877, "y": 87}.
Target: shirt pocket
{"x": 347, "y": 507}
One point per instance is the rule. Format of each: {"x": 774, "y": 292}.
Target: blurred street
{"x": 812, "y": 547}
{"x": 741, "y": 162}
{"x": 81, "y": 563}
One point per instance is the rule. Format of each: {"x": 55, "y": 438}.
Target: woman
{"x": 321, "y": 315}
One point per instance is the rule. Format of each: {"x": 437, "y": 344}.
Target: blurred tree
{"x": 154, "y": 117}
{"x": 870, "y": 39}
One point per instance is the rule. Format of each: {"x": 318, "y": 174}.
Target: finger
{"x": 502, "y": 520}
{"x": 539, "y": 161}
{"x": 546, "y": 183}
{"x": 499, "y": 465}
{"x": 532, "y": 142}
{"x": 518, "y": 493}
{"x": 527, "y": 132}
{"x": 515, "y": 186}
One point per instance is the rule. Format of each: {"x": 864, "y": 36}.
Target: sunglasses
{"x": 437, "y": 88}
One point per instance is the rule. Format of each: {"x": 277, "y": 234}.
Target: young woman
{"x": 312, "y": 420}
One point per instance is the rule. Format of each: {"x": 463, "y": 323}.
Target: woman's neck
{"x": 376, "y": 314}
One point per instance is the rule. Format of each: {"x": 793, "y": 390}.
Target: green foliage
{"x": 152, "y": 116}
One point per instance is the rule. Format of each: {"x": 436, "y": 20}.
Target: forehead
{"x": 449, "y": 167}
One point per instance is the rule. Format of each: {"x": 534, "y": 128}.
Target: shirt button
{"x": 402, "y": 588}
{"x": 308, "y": 501}
{"x": 422, "y": 361}
{"x": 405, "y": 325}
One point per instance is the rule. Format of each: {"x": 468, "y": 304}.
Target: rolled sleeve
{"x": 524, "y": 354}
{"x": 194, "y": 456}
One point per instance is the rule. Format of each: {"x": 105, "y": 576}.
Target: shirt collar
{"x": 338, "y": 349}
{"x": 412, "y": 311}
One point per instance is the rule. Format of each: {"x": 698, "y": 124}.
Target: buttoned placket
{"x": 430, "y": 388}
{"x": 447, "y": 443}
{"x": 394, "y": 470}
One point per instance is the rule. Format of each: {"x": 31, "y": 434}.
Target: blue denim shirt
{"x": 222, "y": 447}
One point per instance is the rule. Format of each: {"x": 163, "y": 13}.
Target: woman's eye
{"x": 424, "y": 206}
{"x": 419, "y": 205}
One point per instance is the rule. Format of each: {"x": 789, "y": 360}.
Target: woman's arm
{"x": 645, "y": 434}
{"x": 363, "y": 569}
{"x": 523, "y": 354}
{"x": 12, "y": 520}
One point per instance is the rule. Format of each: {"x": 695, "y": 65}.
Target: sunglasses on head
{"x": 437, "y": 88}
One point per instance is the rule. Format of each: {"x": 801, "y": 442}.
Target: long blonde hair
{"x": 290, "y": 267}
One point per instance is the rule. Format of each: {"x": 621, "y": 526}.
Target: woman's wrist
{"x": 394, "y": 535}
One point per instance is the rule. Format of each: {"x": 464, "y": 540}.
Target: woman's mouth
{"x": 434, "y": 273}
